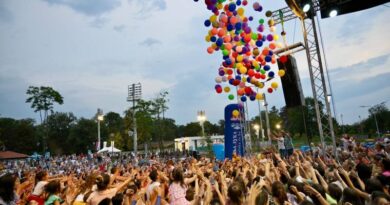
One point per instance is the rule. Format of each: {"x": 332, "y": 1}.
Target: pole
{"x": 267, "y": 120}
{"x": 98, "y": 142}
{"x": 260, "y": 118}
{"x": 134, "y": 123}
{"x": 377, "y": 127}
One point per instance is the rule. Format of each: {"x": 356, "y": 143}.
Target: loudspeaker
{"x": 291, "y": 83}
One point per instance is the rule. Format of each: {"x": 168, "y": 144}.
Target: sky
{"x": 91, "y": 50}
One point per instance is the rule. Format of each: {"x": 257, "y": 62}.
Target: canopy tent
{"x": 109, "y": 149}
{"x": 9, "y": 155}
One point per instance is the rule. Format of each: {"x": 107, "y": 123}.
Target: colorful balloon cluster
{"x": 247, "y": 54}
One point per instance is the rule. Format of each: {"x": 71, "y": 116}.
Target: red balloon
{"x": 244, "y": 2}
{"x": 219, "y": 90}
{"x": 230, "y": 72}
{"x": 270, "y": 90}
{"x": 283, "y": 59}
{"x": 251, "y": 72}
{"x": 258, "y": 75}
{"x": 236, "y": 82}
{"x": 248, "y": 90}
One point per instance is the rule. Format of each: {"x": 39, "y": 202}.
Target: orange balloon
{"x": 227, "y": 39}
{"x": 233, "y": 20}
{"x": 241, "y": 91}
{"x": 214, "y": 31}
{"x": 210, "y": 50}
{"x": 221, "y": 32}
{"x": 272, "y": 46}
{"x": 228, "y": 46}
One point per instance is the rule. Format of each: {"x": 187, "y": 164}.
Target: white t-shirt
{"x": 281, "y": 143}
{"x": 150, "y": 188}
{"x": 97, "y": 196}
{"x": 39, "y": 188}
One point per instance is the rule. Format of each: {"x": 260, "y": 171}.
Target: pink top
{"x": 177, "y": 194}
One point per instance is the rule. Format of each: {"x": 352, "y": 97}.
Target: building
{"x": 194, "y": 143}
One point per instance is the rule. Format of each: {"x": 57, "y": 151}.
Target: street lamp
{"x": 376, "y": 122}
{"x": 99, "y": 117}
{"x": 278, "y": 126}
{"x": 201, "y": 119}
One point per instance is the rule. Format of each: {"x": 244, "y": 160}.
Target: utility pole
{"x": 134, "y": 95}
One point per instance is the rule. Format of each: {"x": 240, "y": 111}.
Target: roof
{"x": 12, "y": 155}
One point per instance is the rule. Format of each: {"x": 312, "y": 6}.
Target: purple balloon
{"x": 270, "y": 37}
{"x": 260, "y": 28}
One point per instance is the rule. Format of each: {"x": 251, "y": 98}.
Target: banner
{"x": 234, "y": 131}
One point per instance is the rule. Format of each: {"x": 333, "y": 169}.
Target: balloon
{"x": 231, "y": 97}
{"x": 267, "y": 68}
{"x": 261, "y": 21}
{"x": 256, "y": 6}
{"x": 270, "y": 37}
{"x": 236, "y": 113}
{"x": 240, "y": 92}
{"x": 270, "y": 90}
{"x": 240, "y": 11}
{"x": 274, "y": 85}
{"x": 271, "y": 74}
{"x": 210, "y": 50}
{"x": 232, "y": 7}
{"x": 281, "y": 73}
{"x": 252, "y": 97}
{"x": 259, "y": 96}
{"x": 227, "y": 89}
{"x": 207, "y": 23}
{"x": 283, "y": 59}
{"x": 243, "y": 98}
{"x": 268, "y": 13}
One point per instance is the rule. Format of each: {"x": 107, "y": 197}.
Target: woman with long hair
{"x": 7, "y": 190}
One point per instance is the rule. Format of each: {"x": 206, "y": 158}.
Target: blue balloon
{"x": 228, "y": 61}
{"x": 267, "y": 67}
{"x": 270, "y": 53}
{"x": 230, "y": 27}
{"x": 238, "y": 26}
{"x": 271, "y": 74}
{"x": 252, "y": 97}
{"x": 238, "y": 77}
{"x": 207, "y": 23}
{"x": 221, "y": 73}
{"x": 218, "y": 86}
{"x": 243, "y": 98}
{"x": 238, "y": 2}
{"x": 231, "y": 81}
{"x": 248, "y": 79}
{"x": 225, "y": 57}
{"x": 259, "y": 43}
{"x": 250, "y": 18}
{"x": 213, "y": 39}
{"x": 232, "y": 7}
{"x": 219, "y": 42}
{"x": 268, "y": 58}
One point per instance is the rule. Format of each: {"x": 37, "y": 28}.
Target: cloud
{"x": 5, "y": 13}
{"x": 149, "y": 42}
{"x": 88, "y": 7}
{"x": 98, "y": 22}
{"x": 119, "y": 28}
{"x": 145, "y": 8}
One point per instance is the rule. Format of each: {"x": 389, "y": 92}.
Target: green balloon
{"x": 261, "y": 21}
{"x": 225, "y": 52}
{"x": 231, "y": 97}
{"x": 254, "y": 36}
{"x": 262, "y": 71}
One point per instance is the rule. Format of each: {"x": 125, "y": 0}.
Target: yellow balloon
{"x": 236, "y": 113}
{"x": 214, "y": 46}
{"x": 261, "y": 85}
{"x": 243, "y": 79}
{"x": 255, "y": 64}
{"x": 207, "y": 38}
{"x": 274, "y": 85}
{"x": 219, "y": 6}
{"x": 281, "y": 73}
{"x": 243, "y": 70}
{"x": 240, "y": 58}
{"x": 276, "y": 37}
{"x": 240, "y": 11}
{"x": 226, "y": 89}
{"x": 259, "y": 96}
{"x": 213, "y": 18}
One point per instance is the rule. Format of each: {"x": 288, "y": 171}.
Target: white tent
{"x": 109, "y": 149}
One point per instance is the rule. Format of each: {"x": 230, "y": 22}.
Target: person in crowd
{"x": 53, "y": 190}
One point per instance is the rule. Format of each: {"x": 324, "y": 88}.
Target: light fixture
{"x": 306, "y": 7}
{"x": 333, "y": 13}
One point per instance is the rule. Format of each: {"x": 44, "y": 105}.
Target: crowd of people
{"x": 357, "y": 176}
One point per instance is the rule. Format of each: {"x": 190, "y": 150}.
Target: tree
{"x": 18, "y": 135}
{"x": 160, "y": 106}
{"x": 42, "y": 99}
{"x": 83, "y": 136}
{"x": 192, "y": 129}
{"x": 59, "y": 125}
{"x": 114, "y": 122}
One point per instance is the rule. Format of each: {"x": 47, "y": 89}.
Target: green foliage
{"x": 18, "y": 135}
{"x": 43, "y": 99}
